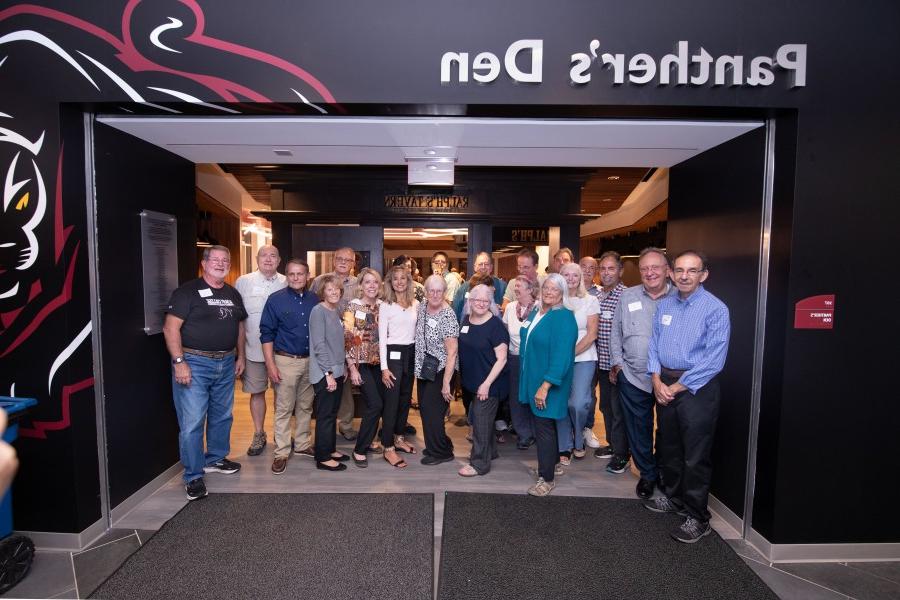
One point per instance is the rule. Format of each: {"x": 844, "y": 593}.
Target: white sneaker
{"x": 501, "y": 425}
{"x": 590, "y": 439}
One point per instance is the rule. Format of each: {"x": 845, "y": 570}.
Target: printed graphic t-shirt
{"x": 211, "y": 315}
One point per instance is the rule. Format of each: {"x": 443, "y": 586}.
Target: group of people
{"x": 531, "y": 352}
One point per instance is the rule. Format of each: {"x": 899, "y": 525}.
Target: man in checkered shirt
{"x": 610, "y": 268}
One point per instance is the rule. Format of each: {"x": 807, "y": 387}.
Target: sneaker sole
{"x": 192, "y": 498}
{"x": 218, "y": 470}
{"x": 682, "y": 513}
{"x": 692, "y": 540}
{"x": 604, "y": 456}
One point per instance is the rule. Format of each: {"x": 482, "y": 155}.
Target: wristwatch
{"x": 178, "y": 360}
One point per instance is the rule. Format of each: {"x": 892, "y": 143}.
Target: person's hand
{"x": 446, "y": 392}
{"x": 355, "y": 377}
{"x": 614, "y": 374}
{"x": 330, "y": 382}
{"x": 274, "y": 374}
{"x": 9, "y": 462}
{"x": 239, "y": 365}
{"x": 540, "y": 398}
{"x": 182, "y": 373}
{"x": 483, "y": 390}
{"x": 387, "y": 378}
{"x": 662, "y": 392}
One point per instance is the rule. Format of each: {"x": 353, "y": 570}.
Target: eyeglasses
{"x": 654, "y": 268}
{"x": 691, "y": 272}
{"x": 219, "y": 261}
{"x": 479, "y": 301}
{"x": 435, "y": 292}
{"x": 344, "y": 260}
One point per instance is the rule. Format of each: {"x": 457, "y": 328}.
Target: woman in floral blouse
{"x": 363, "y": 361}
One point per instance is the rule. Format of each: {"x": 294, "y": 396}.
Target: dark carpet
{"x": 318, "y": 546}
{"x": 566, "y": 547}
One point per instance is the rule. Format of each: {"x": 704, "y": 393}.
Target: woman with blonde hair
{"x": 363, "y": 357}
{"x": 587, "y": 310}
{"x": 517, "y": 311}
{"x": 396, "y": 349}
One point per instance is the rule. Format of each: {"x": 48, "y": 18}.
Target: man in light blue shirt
{"x": 687, "y": 350}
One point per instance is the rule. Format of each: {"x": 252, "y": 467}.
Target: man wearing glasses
{"x": 628, "y": 344}
{"x": 204, "y": 332}
{"x": 440, "y": 265}
{"x": 687, "y": 351}
{"x": 342, "y": 266}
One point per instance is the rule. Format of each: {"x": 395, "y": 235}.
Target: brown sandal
{"x": 400, "y": 464}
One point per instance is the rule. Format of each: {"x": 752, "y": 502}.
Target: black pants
{"x": 547, "y": 449}
{"x": 613, "y": 417}
{"x": 484, "y": 443}
{"x": 397, "y": 398}
{"x": 327, "y": 404}
{"x": 432, "y": 408}
{"x": 684, "y": 439}
{"x": 372, "y": 389}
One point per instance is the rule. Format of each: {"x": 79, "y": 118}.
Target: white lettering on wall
{"x": 523, "y": 62}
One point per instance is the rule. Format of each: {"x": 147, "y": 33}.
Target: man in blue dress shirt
{"x": 687, "y": 351}
{"x": 284, "y": 333}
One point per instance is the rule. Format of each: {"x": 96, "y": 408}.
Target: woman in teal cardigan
{"x": 546, "y": 358}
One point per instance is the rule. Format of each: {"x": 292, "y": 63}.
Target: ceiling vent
{"x": 282, "y": 152}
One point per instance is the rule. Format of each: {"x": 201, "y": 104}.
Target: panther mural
{"x": 157, "y": 59}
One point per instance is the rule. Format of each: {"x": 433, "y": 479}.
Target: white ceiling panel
{"x": 473, "y": 142}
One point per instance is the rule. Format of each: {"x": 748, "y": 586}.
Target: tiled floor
{"x": 74, "y": 575}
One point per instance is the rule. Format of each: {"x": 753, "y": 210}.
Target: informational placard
{"x": 159, "y": 258}
{"x": 815, "y": 312}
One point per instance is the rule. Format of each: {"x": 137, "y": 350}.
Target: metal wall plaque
{"x": 159, "y": 258}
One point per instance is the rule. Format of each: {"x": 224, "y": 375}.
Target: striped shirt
{"x": 608, "y": 303}
{"x": 690, "y": 335}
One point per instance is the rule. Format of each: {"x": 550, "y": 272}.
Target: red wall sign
{"x": 815, "y": 312}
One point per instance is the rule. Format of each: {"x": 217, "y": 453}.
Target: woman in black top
{"x": 436, "y": 335}
{"x": 483, "y": 344}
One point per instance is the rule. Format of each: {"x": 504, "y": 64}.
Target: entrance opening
{"x": 518, "y": 183}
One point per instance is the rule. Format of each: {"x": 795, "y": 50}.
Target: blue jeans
{"x": 570, "y": 430}
{"x": 637, "y": 408}
{"x": 206, "y": 401}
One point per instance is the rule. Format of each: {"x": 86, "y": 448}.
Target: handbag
{"x": 430, "y": 363}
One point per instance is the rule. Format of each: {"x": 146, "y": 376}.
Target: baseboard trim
{"x": 726, "y": 514}
{"x": 129, "y": 504}
{"x": 69, "y": 542}
{"x": 75, "y": 542}
{"x": 824, "y": 552}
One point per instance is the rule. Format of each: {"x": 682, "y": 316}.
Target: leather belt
{"x": 673, "y": 373}
{"x": 289, "y": 355}
{"x": 217, "y": 354}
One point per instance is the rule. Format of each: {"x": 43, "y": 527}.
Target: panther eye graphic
{"x": 23, "y": 203}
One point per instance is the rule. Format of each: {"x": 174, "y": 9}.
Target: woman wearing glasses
{"x": 396, "y": 337}
{"x": 483, "y": 344}
{"x": 436, "y": 345}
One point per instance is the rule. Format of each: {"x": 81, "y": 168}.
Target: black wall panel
{"x": 715, "y": 206}
{"x": 141, "y": 429}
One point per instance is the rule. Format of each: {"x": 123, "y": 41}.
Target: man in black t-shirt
{"x": 204, "y": 333}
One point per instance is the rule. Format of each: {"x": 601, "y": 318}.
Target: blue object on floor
{"x": 16, "y": 551}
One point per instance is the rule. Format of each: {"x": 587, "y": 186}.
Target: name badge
{"x": 467, "y": 295}
{"x": 395, "y": 355}
{"x": 666, "y": 320}
{"x": 633, "y": 306}
{"x": 360, "y": 314}
{"x": 257, "y": 291}
{"x": 464, "y": 329}
{"x": 526, "y": 324}
{"x": 432, "y": 323}
{"x": 205, "y": 293}
{"x": 606, "y": 315}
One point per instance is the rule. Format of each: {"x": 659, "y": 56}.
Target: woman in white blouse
{"x": 396, "y": 346}
{"x": 570, "y": 430}
{"x": 516, "y": 314}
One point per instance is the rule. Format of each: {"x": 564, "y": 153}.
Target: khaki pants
{"x": 347, "y": 408}
{"x": 293, "y": 396}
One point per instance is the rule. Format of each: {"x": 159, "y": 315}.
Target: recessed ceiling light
{"x": 607, "y": 199}
{"x": 431, "y": 167}
{"x": 613, "y": 177}
{"x": 282, "y": 152}
{"x": 430, "y": 151}
{"x": 266, "y": 166}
